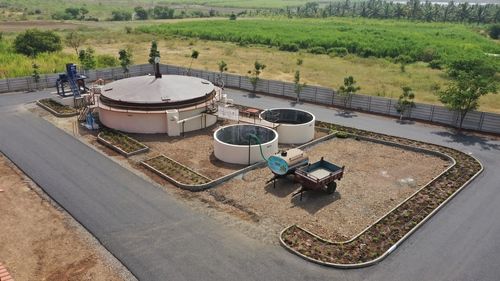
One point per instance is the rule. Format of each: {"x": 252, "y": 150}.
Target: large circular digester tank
{"x": 170, "y": 104}
{"x": 239, "y": 144}
{"x": 294, "y": 126}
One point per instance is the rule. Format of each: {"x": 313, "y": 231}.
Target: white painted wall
{"x": 145, "y": 123}
{"x": 238, "y": 154}
{"x": 293, "y": 133}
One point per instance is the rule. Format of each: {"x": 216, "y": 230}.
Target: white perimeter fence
{"x": 476, "y": 120}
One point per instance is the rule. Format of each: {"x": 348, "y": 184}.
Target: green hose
{"x": 260, "y": 145}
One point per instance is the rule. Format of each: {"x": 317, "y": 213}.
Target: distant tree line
{"x": 159, "y": 12}
{"x": 412, "y": 10}
{"x": 74, "y": 14}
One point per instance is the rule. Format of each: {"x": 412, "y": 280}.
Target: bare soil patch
{"x": 38, "y": 241}
{"x": 17, "y": 26}
{"x": 376, "y": 180}
{"x": 194, "y": 149}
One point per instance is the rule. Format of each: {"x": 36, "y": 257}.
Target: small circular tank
{"x": 294, "y": 126}
{"x": 239, "y": 144}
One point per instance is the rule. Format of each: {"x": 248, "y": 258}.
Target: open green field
{"x": 376, "y": 76}
{"x": 364, "y": 37}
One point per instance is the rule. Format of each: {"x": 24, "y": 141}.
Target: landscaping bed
{"x": 121, "y": 143}
{"x": 174, "y": 171}
{"x": 378, "y": 240}
{"x": 57, "y": 108}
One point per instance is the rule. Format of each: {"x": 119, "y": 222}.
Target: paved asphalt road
{"x": 158, "y": 238}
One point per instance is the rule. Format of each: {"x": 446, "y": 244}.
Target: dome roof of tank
{"x": 170, "y": 89}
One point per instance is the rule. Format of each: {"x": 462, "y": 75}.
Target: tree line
{"x": 380, "y": 9}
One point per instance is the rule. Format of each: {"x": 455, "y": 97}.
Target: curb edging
{"x": 402, "y": 239}
{"x": 55, "y": 113}
{"x": 119, "y": 150}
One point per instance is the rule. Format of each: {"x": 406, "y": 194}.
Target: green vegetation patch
{"x": 57, "y": 107}
{"x": 176, "y": 171}
{"x": 364, "y": 37}
{"x": 122, "y": 141}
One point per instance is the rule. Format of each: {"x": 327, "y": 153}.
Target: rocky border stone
{"x": 106, "y": 143}
{"x": 54, "y": 112}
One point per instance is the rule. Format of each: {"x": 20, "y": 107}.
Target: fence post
{"x": 315, "y": 94}
{"x": 239, "y": 84}
{"x": 283, "y": 88}
{"x": 28, "y": 83}
{"x": 432, "y": 113}
{"x": 389, "y": 107}
{"x": 8, "y": 84}
{"x": 481, "y": 120}
{"x": 333, "y": 96}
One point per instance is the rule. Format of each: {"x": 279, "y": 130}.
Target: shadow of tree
{"x": 252, "y": 96}
{"x": 346, "y": 114}
{"x": 469, "y": 139}
{"x": 405, "y": 122}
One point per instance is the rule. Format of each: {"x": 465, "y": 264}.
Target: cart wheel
{"x": 331, "y": 187}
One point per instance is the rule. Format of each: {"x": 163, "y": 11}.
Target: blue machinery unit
{"x": 71, "y": 78}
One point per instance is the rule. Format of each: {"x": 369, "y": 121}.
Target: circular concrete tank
{"x": 172, "y": 104}
{"x": 234, "y": 144}
{"x": 294, "y": 126}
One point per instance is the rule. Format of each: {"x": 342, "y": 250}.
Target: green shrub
{"x": 289, "y": 47}
{"x": 317, "y": 50}
{"x": 338, "y": 51}
{"x": 33, "y": 42}
{"x": 494, "y": 31}
{"x": 121, "y": 16}
{"x": 107, "y": 61}
{"x": 341, "y": 134}
{"x": 428, "y": 54}
{"x": 435, "y": 64}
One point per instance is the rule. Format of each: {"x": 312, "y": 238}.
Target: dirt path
{"x": 40, "y": 242}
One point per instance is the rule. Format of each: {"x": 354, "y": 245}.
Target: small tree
{"x": 153, "y": 52}
{"x": 232, "y": 16}
{"x": 194, "y": 56}
{"x": 87, "y": 58}
{"x": 296, "y": 80}
{"x": 222, "y": 65}
{"x": 125, "y": 58}
{"x": 74, "y": 40}
{"x": 403, "y": 60}
{"x": 405, "y": 102}
{"x": 140, "y": 13}
{"x": 36, "y": 74}
{"x": 255, "y": 73}
{"x": 83, "y": 13}
{"x": 348, "y": 89}
{"x": 464, "y": 93}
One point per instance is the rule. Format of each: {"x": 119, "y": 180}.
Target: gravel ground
{"x": 375, "y": 181}
{"x": 49, "y": 244}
